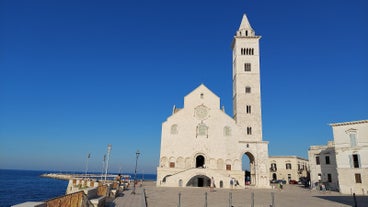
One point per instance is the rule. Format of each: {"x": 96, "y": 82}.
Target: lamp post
{"x": 107, "y": 161}
{"x": 135, "y": 171}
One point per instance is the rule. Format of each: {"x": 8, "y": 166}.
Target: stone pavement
{"x": 127, "y": 199}
{"x": 290, "y": 196}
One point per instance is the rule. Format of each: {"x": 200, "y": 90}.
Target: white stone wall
{"x": 282, "y": 173}
{"x": 345, "y": 148}
{"x": 319, "y": 172}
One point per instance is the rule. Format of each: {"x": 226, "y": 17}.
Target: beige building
{"x": 288, "y": 168}
{"x": 342, "y": 165}
{"x": 322, "y": 163}
{"x": 200, "y": 143}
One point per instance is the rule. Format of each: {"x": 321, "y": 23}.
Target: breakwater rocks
{"x": 58, "y": 176}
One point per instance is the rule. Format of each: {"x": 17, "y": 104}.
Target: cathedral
{"x": 201, "y": 144}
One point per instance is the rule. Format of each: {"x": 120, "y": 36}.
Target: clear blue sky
{"x": 76, "y": 76}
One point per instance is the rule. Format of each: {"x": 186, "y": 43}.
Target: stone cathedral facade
{"x": 200, "y": 142}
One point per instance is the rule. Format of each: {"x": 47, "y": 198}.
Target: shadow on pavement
{"x": 362, "y": 201}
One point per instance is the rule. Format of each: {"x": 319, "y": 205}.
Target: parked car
{"x": 293, "y": 182}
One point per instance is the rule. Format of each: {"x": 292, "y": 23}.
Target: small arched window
{"x": 174, "y": 129}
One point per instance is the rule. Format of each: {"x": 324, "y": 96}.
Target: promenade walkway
{"x": 290, "y": 196}
{"x": 127, "y": 199}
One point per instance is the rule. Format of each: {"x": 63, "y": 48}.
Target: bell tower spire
{"x": 245, "y": 29}
{"x": 246, "y": 81}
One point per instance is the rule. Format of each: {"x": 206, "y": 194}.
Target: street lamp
{"x": 135, "y": 171}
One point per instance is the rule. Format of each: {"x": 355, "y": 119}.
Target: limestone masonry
{"x": 201, "y": 144}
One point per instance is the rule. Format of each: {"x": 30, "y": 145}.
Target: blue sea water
{"x": 18, "y": 186}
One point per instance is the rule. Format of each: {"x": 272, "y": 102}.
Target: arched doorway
{"x": 200, "y": 161}
{"x": 274, "y": 176}
{"x": 248, "y": 166}
{"x": 199, "y": 181}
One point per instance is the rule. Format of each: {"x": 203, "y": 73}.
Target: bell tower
{"x": 246, "y": 81}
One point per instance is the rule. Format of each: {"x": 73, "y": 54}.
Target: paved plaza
{"x": 290, "y": 196}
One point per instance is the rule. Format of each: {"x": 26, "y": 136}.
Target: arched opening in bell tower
{"x": 200, "y": 161}
{"x": 248, "y": 166}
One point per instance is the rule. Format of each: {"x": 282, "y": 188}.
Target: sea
{"x": 19, "y": 186}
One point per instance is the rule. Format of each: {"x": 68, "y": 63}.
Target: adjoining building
{"x": 342, "y": 165}
{"x": 201, "y": 144}
{"x": 322, "y": 163}
{"x": 288, "y": 168}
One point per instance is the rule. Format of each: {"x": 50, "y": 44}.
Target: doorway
{"x": 199, "y": 161}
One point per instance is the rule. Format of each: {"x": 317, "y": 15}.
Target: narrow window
{"x": 248, "y": 89}
{"x": 358, "y": 178}
{"x": 227, "y": 131}
{"x": 202, "y": 95}
{"x": 327, "y": 159}
{"x": 288, "y": 166}
{"x": 249, "y": 130}
{"x": 273, "y": 167}
{"x": 329, "y": 178}
{"x": 174, "y": 129}
{"x": 356, "y": 161}
{"x": 247, "y": 67}
{"x": 352, "y": 140}
{"x": 249, "y": 109}
{"x": 228, "y": 167}
{"x": 317, "y": 160}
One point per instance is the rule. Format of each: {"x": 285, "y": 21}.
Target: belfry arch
{"x": 248, "y": 166}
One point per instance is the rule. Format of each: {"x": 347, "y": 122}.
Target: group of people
{"x": 233, "y": 183}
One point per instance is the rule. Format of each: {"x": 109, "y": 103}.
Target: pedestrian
{"x": 212, "y": 185}
{"x": 232, "y": 183}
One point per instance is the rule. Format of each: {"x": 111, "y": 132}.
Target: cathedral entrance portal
{"x": 199, "y": 161}
{"x": 248, "y": 165}
{"x": 199, "y": 181}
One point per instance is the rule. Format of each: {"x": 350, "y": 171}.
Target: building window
{"x": 201, "y": 95}
{"x": 288, "y": 166}
{"x": 249, "y": 109}
{"x": 329, "y": 178}
{"x": 317, "y": 160}
{"x": 249, "y": 130}
{"x": 248, "y": 89}
{"x": 247, "y": 67}
{"x": 356, "y": 161}
{"x": 172, "y": 164}
{"x": 352, "y": 140}
{"x": 327, "y": 159}
{"x": 202, "y": 130}
{"x": 227, "y": 131}
{"x": 228, "y": 167}
{"x": 247, "y": 51}
{"x": 174, "y": 129}
{"x": 358, "y": 178}
{"x": 273, "y": 167}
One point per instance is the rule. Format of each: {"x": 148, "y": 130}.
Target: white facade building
{"x": 200, "y": 142}
{"x": 342, "y": 165}
{"x": 351, "y": 148}
{"x": 288, "y": 168}
{"x": 322, "y": 163}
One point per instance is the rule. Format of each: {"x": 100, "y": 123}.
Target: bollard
{"x": 179, "y": 204}
{"x": 205, "y": 199}
{"x": 273, "y": 199}
{"x": 230, "y": 199}
{"x": 355, "y": 201}
{"x": 252, "y": 200}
